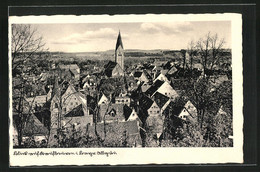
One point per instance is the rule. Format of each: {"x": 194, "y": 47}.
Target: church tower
{"x": 119, "y": 52}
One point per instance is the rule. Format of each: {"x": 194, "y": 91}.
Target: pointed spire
{"x": 119, "y": 41}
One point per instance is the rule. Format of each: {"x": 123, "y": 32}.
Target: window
{"x": 151, "y": 111}
{"x": 123, "y": 101}
{"x": 56, "y": 105}
{"x": 76, "y": 103}
{"x": 71, "y": 103}
{"x": 158, "y": 111}
{"x": 126, "y": 100}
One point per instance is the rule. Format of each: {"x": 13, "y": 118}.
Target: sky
{"x": 91, "y": 37}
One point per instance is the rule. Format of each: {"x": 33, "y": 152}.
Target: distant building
{"x": 73, "y": 70}
{"x": 142, "y": 76}
{"x": 162, "y": 87}
{"x": 116, "y": 69}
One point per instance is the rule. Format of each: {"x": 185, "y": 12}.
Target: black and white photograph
{"x": 150, "y": 85}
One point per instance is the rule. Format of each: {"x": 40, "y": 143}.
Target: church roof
{"x": 119, "y": 41}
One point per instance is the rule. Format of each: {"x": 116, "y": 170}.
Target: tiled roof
{"x": 127, "y": 112}
{"x": 119, "y": 109}
{"x": 137, "y": 74}
{"x": 32, "y": 127}
{"x": 154, "y": 87}
{"x": 77, "y": 111}
{"x": 160, "y": 99}
{"x": 109, "y": 68}
{"x": 176, "y": 107}
{"x": 145, "y": 102}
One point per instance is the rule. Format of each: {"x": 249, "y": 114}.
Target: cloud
{"x": 166, "y": 28}
{"x": 75, "y": 38}
{"x": 149, "y": 27}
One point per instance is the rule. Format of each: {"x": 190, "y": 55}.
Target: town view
{"x": 120, "y": 97}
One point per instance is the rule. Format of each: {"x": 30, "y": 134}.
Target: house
{"x": 141, "y": 76}
{"x": 123, "y": 99}
{"x": 161, "y": 100}
{"x": 189, "y": 112}
{"x": 37, "y": 100}
{"x": 111, "y": 113}
{"x": 103, "y": 100}
{"x": 113, "y": 69}
{"x": 150, "y": 114}
{"x": 130, "y": 114}
{"x": 161, "y": 77}
{"x": 73, "y": 108}
{"x": 145, "y": 86}
{"x": 73, "y": 69}
{"x": 162, "y": 87}
{"x": 33, "y": 128}
{"x": 168, "y": 65}
{"x": 172, "y": 70}
{"x": 90, "y": 86}
{"x": 183, "y": 109}
{"x": 216, "y": 81}
{"x": 131, "y": 84}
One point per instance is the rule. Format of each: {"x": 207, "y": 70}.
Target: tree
{"x": 26, "y": 43}
{"x": 25, "y": 46}
{"x": 209, "y": 50}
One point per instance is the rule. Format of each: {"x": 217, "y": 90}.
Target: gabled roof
{"x": 77, "y": 111}
{"x": 78, "y": 95}
{"x": 74, "y": 72}
{"x": 154, "y": 87}
{"x": 107, "y": 108}
{"x": 172, "y": 70}
{"x": 160, "y": 99}
{"x": 32, "y": 127}
{"x": 119, "y": 41}
{"x": 176, "y": 107}
{"x": 149, "y": 77}
{"x": 145, "y": 102}
{"x": 127, "y": 112}
{"x": 138, "y": 74}
{"x": 109, "y": 67}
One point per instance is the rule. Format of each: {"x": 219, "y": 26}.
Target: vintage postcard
{"x": 125, "y": 89}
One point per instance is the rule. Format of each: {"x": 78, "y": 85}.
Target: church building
{"x": 119, "y": 52}
{"x": 116, "y": 69}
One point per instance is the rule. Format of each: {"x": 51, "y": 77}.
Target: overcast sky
{"x": 102, "y": 36}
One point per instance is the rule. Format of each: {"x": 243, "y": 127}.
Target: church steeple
{"x": 119, "y": 41}
{"x": 119, "y": 52}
